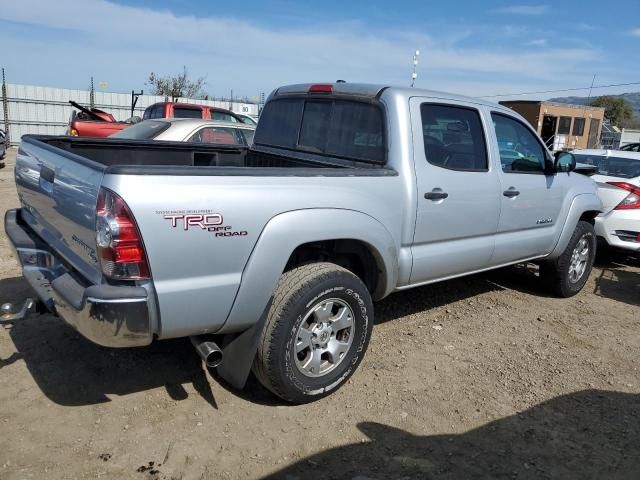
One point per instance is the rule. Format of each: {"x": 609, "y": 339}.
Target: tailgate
{"x": 58, "y": 191}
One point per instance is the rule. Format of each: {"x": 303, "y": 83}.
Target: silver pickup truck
{"x": 270, "y": 257}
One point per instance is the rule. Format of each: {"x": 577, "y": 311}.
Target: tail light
{"x": 632, "y": 200}
{"x": 120, "y": 248}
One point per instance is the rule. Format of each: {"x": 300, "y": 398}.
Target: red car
{"x": 93, "y": 122}
{"x": 189, "y": 110}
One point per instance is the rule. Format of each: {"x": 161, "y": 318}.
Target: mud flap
{"x": 239, "y": 352}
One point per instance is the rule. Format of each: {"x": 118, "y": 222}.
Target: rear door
{"x": 458, "y": 192}
{"x": 530, "y": 200}
{"x": 58, "y": 192}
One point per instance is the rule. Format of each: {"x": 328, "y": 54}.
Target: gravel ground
{"x": 482, "y": 377}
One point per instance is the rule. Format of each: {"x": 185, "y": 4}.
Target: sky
{"x": 467, "y": 47}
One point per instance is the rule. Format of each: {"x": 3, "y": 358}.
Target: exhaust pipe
{"x": 208, "y": 350}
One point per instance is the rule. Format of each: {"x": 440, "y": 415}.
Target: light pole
{"x": 414, "y": 75}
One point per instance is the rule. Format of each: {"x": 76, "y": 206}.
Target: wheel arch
{"x": 583, "y": 207}
{"x": 292, "y": 238}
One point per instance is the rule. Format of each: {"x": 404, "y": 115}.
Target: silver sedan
{"x": 193, "y": 130}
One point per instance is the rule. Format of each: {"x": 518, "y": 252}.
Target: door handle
{"x": 436, "y": 195}
{"x": 511, "y": 192}
{"x": 47, "y": 174}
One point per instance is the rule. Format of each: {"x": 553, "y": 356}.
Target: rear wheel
{"x": 317, "y": 331}
{"x": 567, "y": 274}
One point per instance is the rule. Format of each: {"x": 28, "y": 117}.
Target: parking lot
{"x": 482, "y": 377}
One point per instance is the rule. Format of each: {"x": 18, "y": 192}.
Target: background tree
{"x": 617, "y": 110}
{"x": 177, "y": 86}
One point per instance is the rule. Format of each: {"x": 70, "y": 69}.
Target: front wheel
{"x": 317, "y": 331}
{"x": 567, "y": 274}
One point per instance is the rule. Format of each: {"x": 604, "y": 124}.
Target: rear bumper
{"x": 112, "y": 316}
{"x": 620, "y": 228}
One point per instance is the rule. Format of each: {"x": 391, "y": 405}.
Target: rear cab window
{"x": 187, "y": 112}
{"x": 340, "y": 128}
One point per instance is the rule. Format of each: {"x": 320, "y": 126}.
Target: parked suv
{"x": 270, "y": 256}
{"x": 189, "y": 110}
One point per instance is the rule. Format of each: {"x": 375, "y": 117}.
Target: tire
{"x": 567, "y": 274}
{"x": 317, "y": 294}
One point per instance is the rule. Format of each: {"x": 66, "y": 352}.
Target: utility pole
{"x": 414, "y": 75}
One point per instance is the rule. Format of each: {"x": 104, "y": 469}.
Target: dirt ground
{"x": 482, "y": 377}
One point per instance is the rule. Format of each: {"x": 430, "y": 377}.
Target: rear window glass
{"x": 248, "y": 136}
{"x": 279, "y": 123}
{"x": 182, "y": 112}
{"x": 340, "y": 128}
{"x": 611, "y": 166}
{"x": 145, "y": 130}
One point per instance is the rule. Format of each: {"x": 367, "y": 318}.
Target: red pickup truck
{"x": 92, "y": 122}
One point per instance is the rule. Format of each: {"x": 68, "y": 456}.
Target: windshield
{"x": 612, "y": 166}
{"x": 145, "y": 130}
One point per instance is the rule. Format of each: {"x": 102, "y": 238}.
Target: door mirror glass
{"x": 564, "y": 162}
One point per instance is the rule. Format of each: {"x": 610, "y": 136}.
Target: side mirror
{"x": 564, "y": 162}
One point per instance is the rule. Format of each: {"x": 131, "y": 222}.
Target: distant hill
{"x": 633, "y": 98}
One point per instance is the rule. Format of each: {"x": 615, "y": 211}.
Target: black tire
{"x": 298, "y": 291}
{"x": 556, "y": 273}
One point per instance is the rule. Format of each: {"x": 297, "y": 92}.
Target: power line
{"x": 562, "y": 90}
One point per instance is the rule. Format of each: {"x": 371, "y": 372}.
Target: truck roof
{"x": 370, "y": 90}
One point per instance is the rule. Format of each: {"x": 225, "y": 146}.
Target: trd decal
{"x": 204, "y": 220}
{"x": 207, "y": 221}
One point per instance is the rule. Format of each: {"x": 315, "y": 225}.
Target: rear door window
{"x": 453, "y": 137}
{"x": 186, "y": 112}
{"x": 340, "y": 128}
{"x": 219, "y": 135}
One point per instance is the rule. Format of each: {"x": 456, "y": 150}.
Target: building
{"x": 560, "y": 125}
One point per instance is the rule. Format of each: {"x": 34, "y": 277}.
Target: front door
{"x": 531, "y": 201}
{"x": 458, "y": 200}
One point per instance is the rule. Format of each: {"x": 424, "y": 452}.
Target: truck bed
{"x": 175, "y": 158}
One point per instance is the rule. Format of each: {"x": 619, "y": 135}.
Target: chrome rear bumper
{"x": 112, "y": 316}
